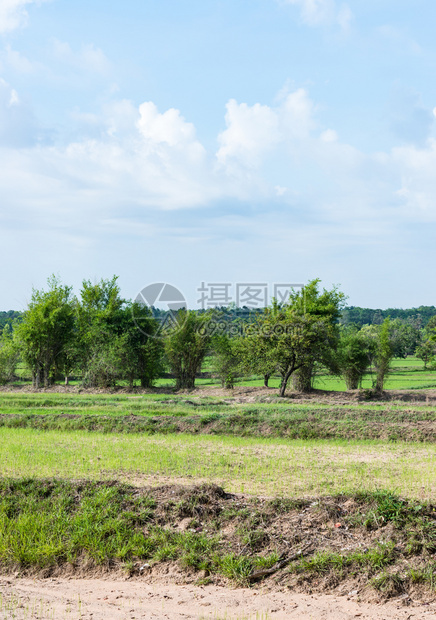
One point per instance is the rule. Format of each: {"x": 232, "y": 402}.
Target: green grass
{"x": 162, "y": 413}
{"x": 266, "y": 466}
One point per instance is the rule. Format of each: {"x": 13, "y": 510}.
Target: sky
{"x": 219, "y": 141}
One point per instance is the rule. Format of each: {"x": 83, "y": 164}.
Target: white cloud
{"x": 13, "y": 14}
{"x": 329, "y": 135}
{"x": 415, "y": 169}
{"x": 280, "y": 191}
{"x": 254, "y": 131}
{"x": 137, "y": 159}
{"x": 398, "y": 39}
{"x": 297, "y": 115}
{"x": 88, "y": 58}
{"x": 20, "y": 63}
{"x": 169, "y": 128}
{"x": 251, "y": 131}
{"x": 344, "y": 17}
{"x": 323, "y": 12}
{"x": 144, "y": 186}
{"x": 17, "y": 124}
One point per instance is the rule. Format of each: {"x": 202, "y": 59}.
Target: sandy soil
{"x": 99, "y": 599}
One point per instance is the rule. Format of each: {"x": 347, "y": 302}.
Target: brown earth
{"x": 109, "y": 599}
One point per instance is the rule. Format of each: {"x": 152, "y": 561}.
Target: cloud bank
{"x": 13, "y": 14}
{"x": 132, "y": 159}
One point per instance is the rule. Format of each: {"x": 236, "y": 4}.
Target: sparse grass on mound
{"x": 369, "y": 540}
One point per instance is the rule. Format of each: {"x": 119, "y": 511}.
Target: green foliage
{"x": 295, "y": 336}
{"x": 44, "y": 523}
{"x": 405, "y": 337}
{"x": 110, "y": 345}
{"x": 325, "y": 561}
{"x": 384, "y": 353}
{"x": 426, "y": 352}
{"x": 418, "y": 317}
{"x": 186, "y": 345}
{"x": 325, "y": 305}
{"x": 46, "y": 330}
{"x": 353, "y": 356}
{"x": 381, "y": 350}
{"x": 227, "y": 359}
{"x": 9, "y": 317}
{"x": 235, "y": 567}
{"x": 8, "y": 355}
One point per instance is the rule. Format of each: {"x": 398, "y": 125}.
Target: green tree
{"x": 186, "y": 344}
{"x": 384, "y": 353}
{"x": 326, "y": 305}
{"x": 116, "y": 337}
{"x": 426, "y": 352}
{"x": 46, "y": 330}
{"x": 140, "y": 352}
{"x": 8, "y": 355}
{"x": 100, "y": 341}
{"x": 286, "y": 339}
{"x": 353, "y": 356}
{"x": 404, "y": 337}
{"x": 228, "y": 358}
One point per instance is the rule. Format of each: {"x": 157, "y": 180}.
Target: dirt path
{"x": 99, "y": 599}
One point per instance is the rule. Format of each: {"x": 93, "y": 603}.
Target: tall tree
{"x": 384, "y": 355}
{"x": 8, "y": 355}
{"x": 141, "y": 352}
{"x": 99, "y": 343}
{"x": 186, "y": 345}
{"x": 286, "y": 339}
{"x": 46, "y": 330}
{"x": 326, "y": 305}
{"x": 353, "y": 356}
{"x": 383, "y": 351}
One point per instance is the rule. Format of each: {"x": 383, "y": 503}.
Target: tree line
{"x": 102, "y": 339}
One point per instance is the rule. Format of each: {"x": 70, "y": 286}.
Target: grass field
{"x": 257, "y": 466}
{"x": 66, "y": 458}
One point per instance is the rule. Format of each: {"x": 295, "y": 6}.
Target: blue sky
{"x": 219, "y": 141}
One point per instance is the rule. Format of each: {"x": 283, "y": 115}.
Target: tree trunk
{"x": 37, "y": 378}
{"x": 145, "y": 381}
{"x": 285, "y": 379}
{"x": 67, "y": 380}
{"x": 46, "y": 377}
{"x": 266, "y": 379}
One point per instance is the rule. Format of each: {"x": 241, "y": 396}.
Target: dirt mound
{"x": 376, "y": 544}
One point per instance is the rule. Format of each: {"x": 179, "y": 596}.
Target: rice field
{"x": 249, "y": 465}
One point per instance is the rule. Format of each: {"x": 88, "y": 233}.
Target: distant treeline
{"x": 419, "y": 317}
{"x": 9, "y": 317}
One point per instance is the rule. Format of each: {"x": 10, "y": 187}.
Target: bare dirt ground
{"x": 99, "y": 599}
